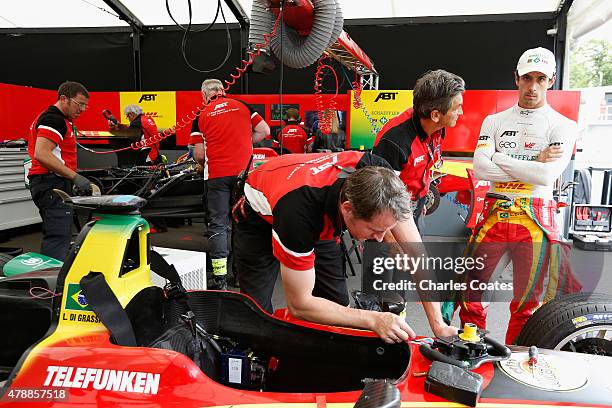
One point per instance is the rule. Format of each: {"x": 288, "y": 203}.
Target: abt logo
{"x": 510, "y": 133}
{"x": 147, "y": 97}
{"x": 386, "y": 96}
{"x": 419, "y": 159}
{"x": 324, "y": 166}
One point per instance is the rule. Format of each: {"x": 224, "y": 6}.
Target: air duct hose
{"x": 298, "y": 51}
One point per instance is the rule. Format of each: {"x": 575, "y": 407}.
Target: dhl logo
{"x": 511, "y": 186}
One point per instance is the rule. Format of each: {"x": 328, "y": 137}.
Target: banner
{"x": 160, "y": 106}
{"x": 377, "y": 108}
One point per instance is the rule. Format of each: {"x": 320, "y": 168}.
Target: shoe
{"x": 219, "y": 283}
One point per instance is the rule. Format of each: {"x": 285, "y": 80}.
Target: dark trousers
{"x": 56, "y": 216}
{"x": 218, "y": 196}
{"x": 418, "y": 211}
{"x": 257, "y": 268}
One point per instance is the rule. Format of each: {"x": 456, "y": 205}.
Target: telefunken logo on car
{"x": 506, "y": 144}
{"x": 510, "y": 133}
{"x": 147, "y": 98}
{"x": 386, "y": 96}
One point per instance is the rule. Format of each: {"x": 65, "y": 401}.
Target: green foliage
{"x": 591, "y": 64}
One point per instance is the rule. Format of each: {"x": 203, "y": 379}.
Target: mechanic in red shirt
{"x": 147, "y": 126}
{"x": 295, "y": 201}
{"x": 293, "y": 136}
{"x": 411, "y": 142}
{"x": 223, "y": 137}
{"x": 52, "y": 148}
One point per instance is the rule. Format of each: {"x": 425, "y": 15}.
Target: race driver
{"x": 294, "y": 201}
{"x": 522, "y": 151}
{"x": 411, "y": 141}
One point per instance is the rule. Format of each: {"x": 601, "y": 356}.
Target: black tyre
{"x": 4, "y": 258}
{"x": 580, "y": 323}
{"x": 432, "y": 201}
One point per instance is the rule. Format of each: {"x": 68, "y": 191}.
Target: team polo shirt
{"x": 53, "y": 125}
{"x": 227, "y": 127}
{"x": 149, "y": 129}
{"x": 411, "y": 153}
{"x": 294, "y": 139}
{"x": 299, "y": 195}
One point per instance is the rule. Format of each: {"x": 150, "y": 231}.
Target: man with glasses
{"x": 52, "y": 148}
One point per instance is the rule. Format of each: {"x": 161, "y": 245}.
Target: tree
{"x": 591, "y": 64}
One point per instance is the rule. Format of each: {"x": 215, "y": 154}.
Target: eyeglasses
{"x": 82, "y": 105}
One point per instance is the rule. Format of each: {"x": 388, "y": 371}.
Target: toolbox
{"x": 591, "y": 227}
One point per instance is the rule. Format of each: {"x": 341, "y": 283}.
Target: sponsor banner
{"x": 159, "y": 105}
{"x": 381, "y": 106}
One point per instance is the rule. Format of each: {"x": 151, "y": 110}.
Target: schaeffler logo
{"x": 102, "y": 379}
{"x": 386, "y": 96}
{"x": 510, "y": 133}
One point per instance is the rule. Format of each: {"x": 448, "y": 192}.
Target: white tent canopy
{"x": 96, "y": 13}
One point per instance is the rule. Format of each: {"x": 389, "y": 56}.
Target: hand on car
{"x": 444, "y": 330}
{"x": 392, "y": 328}
{"x": 549, "y": 154}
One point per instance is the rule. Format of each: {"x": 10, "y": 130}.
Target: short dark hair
{"x": 373, "y": 189}
{"x": 435, "y": 91}
{"x": 71, "y": 89}
{"x": 292, "y": 114}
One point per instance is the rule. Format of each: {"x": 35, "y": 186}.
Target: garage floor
{"x": 191, "y": 238}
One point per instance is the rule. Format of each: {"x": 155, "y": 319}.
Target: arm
{"x": 542, "y": 173}
{"x": 199, "y": 153}
{"x": 484, "y": 168}
{"x": 43, "y": 152}
{"x": 298, "y": 286}
{"x": 408, "y": 236}
{"x": 260, "y": 131}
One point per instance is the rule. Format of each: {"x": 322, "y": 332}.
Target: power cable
{"x": 188, "y": 30}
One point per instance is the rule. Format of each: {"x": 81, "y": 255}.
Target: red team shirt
{"x": 149, "y": 129}
{"x": 299, "y": 195}
{"x": 227, "y": 125}
{"x": 295, "y": 139}
{"x": 53, "y": 125}
{"x": 404, "y": 144}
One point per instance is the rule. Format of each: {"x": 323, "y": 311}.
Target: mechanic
{"x": 223, "y": 137}
{"x": 522, "y": 151}
{"x": 411, "y": 142}
{"x": 293, "y": 136}
{"x": 293, "y": 202}
{"x": 147, "y": 126}
{"x": 52, "y": 148}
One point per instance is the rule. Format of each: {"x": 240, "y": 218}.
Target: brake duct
{"x": 295, "y": 50}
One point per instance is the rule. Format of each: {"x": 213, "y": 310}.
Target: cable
{"x": 101, "y": 9}
{"x": 186, "y": 28}
{"x": 184, "y": 42}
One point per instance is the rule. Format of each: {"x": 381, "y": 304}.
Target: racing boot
{"x": 219, "y": 269}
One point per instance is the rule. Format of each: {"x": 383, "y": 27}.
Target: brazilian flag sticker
{"x": 75, "y": 299}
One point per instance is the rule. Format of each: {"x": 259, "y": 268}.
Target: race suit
{"x": 508, "y": 146}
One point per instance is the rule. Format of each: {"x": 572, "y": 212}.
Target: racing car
{"x": 96, "y": 332}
